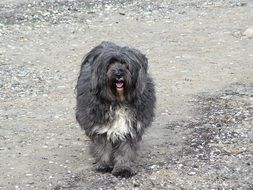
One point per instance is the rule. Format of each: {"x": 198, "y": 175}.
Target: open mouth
{"x": 119, "y": 84}
{"x": 119, "y": 88}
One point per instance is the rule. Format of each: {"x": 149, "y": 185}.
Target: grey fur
{"x": 99, "y": 108}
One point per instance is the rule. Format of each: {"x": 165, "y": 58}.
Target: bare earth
{"x": 202, "y": 137}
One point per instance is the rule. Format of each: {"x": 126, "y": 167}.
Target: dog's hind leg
{"x": 124, "y": 155}
{"x": 101, "y": 149}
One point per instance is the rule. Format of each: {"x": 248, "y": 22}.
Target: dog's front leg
{"x": 101, "y": 149}
{"x": 124, "y": 155}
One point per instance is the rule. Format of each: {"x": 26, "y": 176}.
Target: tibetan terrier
{"x": 115, "y": 104}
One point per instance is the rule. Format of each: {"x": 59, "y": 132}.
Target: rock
{"x": 192, "y": 173}
{"x": 248, "y": 33}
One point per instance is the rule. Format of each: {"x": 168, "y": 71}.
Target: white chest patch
{"x": 119, "y": 127}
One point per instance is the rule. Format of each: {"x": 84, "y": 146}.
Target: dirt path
{"x": 202, "y": 65}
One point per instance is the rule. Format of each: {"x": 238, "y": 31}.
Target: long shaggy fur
{"x": 115, "y": 117}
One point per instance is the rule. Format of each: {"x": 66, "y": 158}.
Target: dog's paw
{"x": 123, "y": 171}
{"x": 103, "y": 168}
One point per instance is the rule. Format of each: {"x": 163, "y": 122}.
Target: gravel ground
{"x": 200, "y": 58}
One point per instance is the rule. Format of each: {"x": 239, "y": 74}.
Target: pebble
{"x": 248, "y": 33}
{"x": 192, "y": 173}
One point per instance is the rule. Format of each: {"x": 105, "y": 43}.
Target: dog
{"x": 115, "y": 104}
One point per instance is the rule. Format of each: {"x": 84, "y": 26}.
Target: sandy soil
{"x": 202, "y": 65}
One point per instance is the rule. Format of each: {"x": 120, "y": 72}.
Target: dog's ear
{"x": 99, "y": 57}
{"x": 98, "y": 75}
{"x": 88, "y": 61}
{"x": 142, "y": 62}
{"x": 141, "y": 80}
{"x": 91, "y": 59}
{"x": 94, "y": 81}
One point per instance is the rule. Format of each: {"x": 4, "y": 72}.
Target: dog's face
{"x": 118, "y": 73}
{"x": 119, "y": 79}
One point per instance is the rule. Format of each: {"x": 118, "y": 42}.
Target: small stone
{"x": 192, "y": 173}
{"x": 248, "y": 33}
{"x": 136, "y": 184}
{"x": 153, "y": 166}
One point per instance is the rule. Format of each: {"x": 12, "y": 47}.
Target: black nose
{"x": 119, "y": 73}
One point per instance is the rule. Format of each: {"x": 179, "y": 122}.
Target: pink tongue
{"x": 119, "y": 84}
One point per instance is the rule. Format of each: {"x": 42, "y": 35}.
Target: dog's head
{"x": 119, "y": 79}
{"x": 118, "y": 73}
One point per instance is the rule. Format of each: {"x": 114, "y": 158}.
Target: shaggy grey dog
{"x": 115, "y": 104}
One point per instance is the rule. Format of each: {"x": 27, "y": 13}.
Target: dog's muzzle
{"x": 119, "y": 82}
